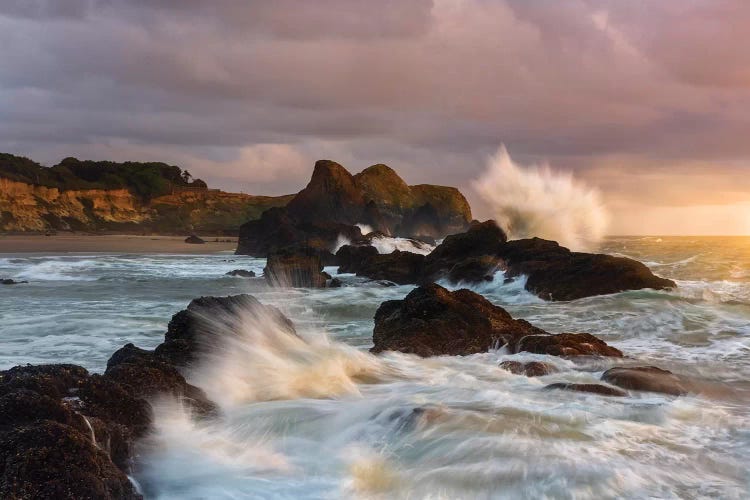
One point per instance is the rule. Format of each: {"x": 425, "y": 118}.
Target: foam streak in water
{"x": 537, "y": 201}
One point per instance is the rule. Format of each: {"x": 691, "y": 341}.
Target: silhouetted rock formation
{"x": 334, "y": 201}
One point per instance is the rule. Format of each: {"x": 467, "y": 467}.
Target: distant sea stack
{"x": 334, "y": 201}
{"x": 127, "y": 197}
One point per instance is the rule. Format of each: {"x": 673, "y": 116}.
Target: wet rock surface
{"x": 600, "y": 389}
{"x": 555, "y": 273}
{"x": 565, "y": 344}
{"x": 66, "y": 433}
{"x": 298, "y": 268}
{"x": 530, "y": 369}
{"x": 646, "y": 378}
{"x": 432, "y": 321}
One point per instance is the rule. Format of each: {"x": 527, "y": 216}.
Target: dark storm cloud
{"x": 237, "y": 89}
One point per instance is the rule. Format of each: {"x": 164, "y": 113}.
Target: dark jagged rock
{"x": 49, "y": 459}
{"x": 297, "y": 268}
{"x": 352, "y": 257}
{"x": 564, "y": 344}
{"x": 276, "y": 229}
{"x": 65, "y": 433}
{"x": 432, "y": 321}
{"x": 195, "y": 240}
{"x": 331, "y": 195}
{"x": 530, "y": 369}
{"x": 469, "y": 256}
{"x": 553, "y": 272}
{"x": 399, "y": 267}
{"x": 242, "y": 273}
{"x": 51, "y": 380}
{"x": 556, "y": 273}
{"x": 198, "y": 327}
{"x": 334, "y": 201}
{"x": 144, "y": 374}
{"x": 8, "y": 281}
{"x": 602, "y": 390}
{"x": 645, "y": 378}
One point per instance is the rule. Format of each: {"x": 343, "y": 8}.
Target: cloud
{"x": 432, "y": 87}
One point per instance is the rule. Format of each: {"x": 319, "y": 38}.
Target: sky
{"x": 647, "y": 101}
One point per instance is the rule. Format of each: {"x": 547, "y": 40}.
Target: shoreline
{"x": 117, "y": 243}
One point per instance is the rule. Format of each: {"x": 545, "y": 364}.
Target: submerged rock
{"x": 565, "y": 344}
{"x": 195, "y": 240}
{"x": 530, "y": 369}
{"x": 645, "y": 378}
{"x": 8, "y": 281}
{"x": 242, "y": 273}
{"x": 602, "y": 390}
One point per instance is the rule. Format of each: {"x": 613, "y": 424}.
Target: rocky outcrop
{"x": 466, "y": 257}
{"x": 433, "y": 321}
{"x": 194, "y": 240}
{"x": 334, "y": 201}
{"x": 197, "y": 328}
{"x": 398, "y": 267}
{"x": 276, "y": 230}
{"x": 645, "y": 378}
{"x": 295, "y": 268}
{"x": 66, "y": 433}
{"x": 555, "y": 273}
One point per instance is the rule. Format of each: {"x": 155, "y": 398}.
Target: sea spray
{"x": 258, "y": 359}
{"x": 537, "y": 201}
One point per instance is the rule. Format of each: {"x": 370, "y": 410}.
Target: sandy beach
{"x": 80, "y": 243}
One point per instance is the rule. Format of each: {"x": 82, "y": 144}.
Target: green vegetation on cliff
{"x": 145, "y": 180}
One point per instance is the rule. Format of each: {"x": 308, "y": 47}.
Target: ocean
{"x": 325, "y": 419}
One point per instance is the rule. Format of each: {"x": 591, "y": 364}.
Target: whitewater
{"x": 320, "y": 417}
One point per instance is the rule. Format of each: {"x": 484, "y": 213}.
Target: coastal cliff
{"x": 129, "y": 198}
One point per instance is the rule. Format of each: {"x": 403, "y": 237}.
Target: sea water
{"x": 319, "y": 417}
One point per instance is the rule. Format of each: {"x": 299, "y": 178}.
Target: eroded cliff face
{"x": 28, "y": 207}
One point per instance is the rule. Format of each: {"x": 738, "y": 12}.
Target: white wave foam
{"x": 261, "y": 361}
{"x": 536, "y": 201}
{"x": 385, "y": 244}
